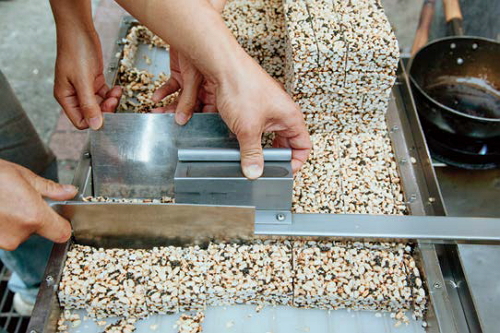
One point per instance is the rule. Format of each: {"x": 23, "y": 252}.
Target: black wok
{"x": 456, "y": 82}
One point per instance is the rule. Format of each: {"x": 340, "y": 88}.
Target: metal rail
{"x": 435, "y": 228}
{"x": 449, "y": 312}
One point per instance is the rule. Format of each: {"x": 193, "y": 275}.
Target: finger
{"x": 109, "y": 104}
{"x": 160, "y": 109}
{"x": 71, "y": 108}
{"x": 252, "y": 159}
{"x": 171, "y": 86}
{"x": 209, "y": 109}
{"x": 198, "y": 107}
{"x": 188, "y": 99}
{"x": 300, "y": 145}
{"x": 53, "y": 226}
{"x": 207, "y": 96}
{"x": 89, "y": 106}
{"x": 103, "y": 90}
{"x": 116, "y": 92}
{"x": 66, "y": 97}
{"x": 48, "y": 188}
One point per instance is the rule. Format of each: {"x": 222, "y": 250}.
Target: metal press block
{"x": 214, "y": 177}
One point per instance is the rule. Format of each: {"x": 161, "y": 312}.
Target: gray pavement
{"x": 27, "y": 56}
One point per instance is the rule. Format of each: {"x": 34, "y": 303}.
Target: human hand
{"x": 197, "y": 94}
{"x": 184, "y": 77}
{"x": 23, "y": 211}
{"x": 248, "y": 99}
{"x": 252, "y": 103}
{"x": 79, "y": 85}
{"x": 244, "y": 107}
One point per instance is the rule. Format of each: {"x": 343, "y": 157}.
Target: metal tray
{"x": 451, "y": 306}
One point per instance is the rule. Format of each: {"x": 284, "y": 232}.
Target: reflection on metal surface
{"x": 135, "y": 155}
{"x": 147, "y": 138}
{"x": 148, "y": 225}
{"x": 117, "y": 177}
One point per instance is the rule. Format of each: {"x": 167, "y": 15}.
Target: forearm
{"x": 72, "y": 16}
{"x": 195, "y": 29}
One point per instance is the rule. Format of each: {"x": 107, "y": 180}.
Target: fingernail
{"x": 70, "y": 188}
{"x": 95, "y": 123}
{"x": 181, "y": 118}
{"x": 253, "y": 171}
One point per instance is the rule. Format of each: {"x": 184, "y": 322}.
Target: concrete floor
{"x": 403, "y": 15}
{"x": 27, "y": 54}
{"x": 27, "y": 58}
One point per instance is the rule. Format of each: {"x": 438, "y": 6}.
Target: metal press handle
{"x": 230, "y": 155}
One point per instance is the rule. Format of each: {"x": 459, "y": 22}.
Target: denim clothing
{"x": 20, "y": 143}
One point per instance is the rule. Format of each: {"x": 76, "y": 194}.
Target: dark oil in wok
{"x": 470, "y": 95}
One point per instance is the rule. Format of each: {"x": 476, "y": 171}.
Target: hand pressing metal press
{"x": 207, "y": 56}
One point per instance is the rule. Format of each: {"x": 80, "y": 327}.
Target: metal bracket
{"x": 212, "y": 176}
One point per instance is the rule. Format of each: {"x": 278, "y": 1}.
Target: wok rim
{"x": 422, "y": 91}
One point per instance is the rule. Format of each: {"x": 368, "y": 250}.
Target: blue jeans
{"x": 20, "y": 143}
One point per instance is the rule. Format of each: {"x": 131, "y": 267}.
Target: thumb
{"x": 53, "y": 226}
{"x": 89, "y": 107}
{"x": 48, "y": 188}
{"x": 252, "y": 159}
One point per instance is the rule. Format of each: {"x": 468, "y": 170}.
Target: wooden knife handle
{"x": 454, "y": 18}
{"x": 424, "y": 26}
{"x": 452, "y": 10}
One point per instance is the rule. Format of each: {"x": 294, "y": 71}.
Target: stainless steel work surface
{"x": 481, "y": 266}
{"x": 280, "y": 319}
{"x": 137, "y": 160}
{"x": 477, "y": 193}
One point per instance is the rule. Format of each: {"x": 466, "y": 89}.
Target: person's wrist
{"x": 233, "y": 68}
{"x": 74, "y": 33}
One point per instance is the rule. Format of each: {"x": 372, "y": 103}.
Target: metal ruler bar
{"x": 230, "y": 155}
{"x": 387, "y": 226}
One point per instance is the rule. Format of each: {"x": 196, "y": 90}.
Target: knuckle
{"x": 58, "y": 95}
{"x": 188, "y": 106}
{"x": 89, "y": 108}
{"x": 247, "y": 132}
{"x": 9, "y": 244}
{"x": 50, "y": 186}
{"x": 32, "y": 219}
{"x": 252, "y": 153}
